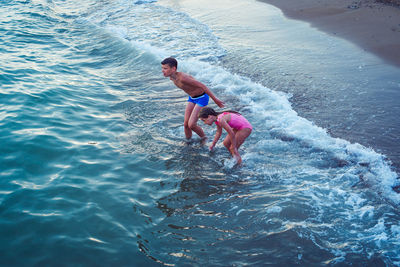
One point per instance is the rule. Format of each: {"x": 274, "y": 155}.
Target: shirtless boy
{"x": 198, "y": 95}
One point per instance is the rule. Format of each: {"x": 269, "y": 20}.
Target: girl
{"x": 237, "y": 127}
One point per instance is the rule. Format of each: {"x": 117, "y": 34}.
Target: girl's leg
{"x": 227, "y": 142}
{"x": 241, "y": 135}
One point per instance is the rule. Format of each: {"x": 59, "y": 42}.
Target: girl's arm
{"x": 217, "y": 136}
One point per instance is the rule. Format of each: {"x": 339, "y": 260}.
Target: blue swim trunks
{"x": 201, "y": 100}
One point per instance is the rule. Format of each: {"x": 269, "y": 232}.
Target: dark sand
{"x": 373, "y": 25}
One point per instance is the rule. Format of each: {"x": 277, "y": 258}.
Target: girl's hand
{"x": 211, "y": 147}
{"x": 238, "y": 159}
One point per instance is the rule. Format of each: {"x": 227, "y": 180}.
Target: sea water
{"x": 95, "y": 169}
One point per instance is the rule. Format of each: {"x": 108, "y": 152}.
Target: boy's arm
{"x": 192, "y": 82}
{"x": 213, "y": 97}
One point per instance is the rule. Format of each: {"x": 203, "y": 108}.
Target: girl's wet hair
{"x": 207, "y": 111}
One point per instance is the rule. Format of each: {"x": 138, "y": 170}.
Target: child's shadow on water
{"x": 203, "y": 177}
{"x": 194, "y": 159}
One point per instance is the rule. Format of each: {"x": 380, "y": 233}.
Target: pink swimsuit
{"x": 237, "y": 121}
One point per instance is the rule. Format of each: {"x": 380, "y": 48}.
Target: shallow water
{"x": 95, "y": 169}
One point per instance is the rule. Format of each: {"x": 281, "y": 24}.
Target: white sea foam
{"x": 268, "y": 109}
{"x": 141, "y": 2}
{"x": 274, "y": 112}
{"x": 275, "y": 209}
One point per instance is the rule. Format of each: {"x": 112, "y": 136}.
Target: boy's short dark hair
{"x": 170, "y": 61}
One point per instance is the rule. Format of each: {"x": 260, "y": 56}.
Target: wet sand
{"x": 374, "y": 26}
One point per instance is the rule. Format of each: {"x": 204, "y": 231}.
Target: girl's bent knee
{"x": 227, "y": 145}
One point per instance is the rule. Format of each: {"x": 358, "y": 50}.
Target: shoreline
{"x": 371, "y": 25}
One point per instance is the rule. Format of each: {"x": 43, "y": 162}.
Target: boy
{"x": 198, "y": 96}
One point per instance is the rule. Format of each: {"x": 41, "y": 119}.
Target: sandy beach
{"x": 372, "y": 25}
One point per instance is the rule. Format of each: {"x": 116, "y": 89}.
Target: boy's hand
{"x": 219, "y": 103}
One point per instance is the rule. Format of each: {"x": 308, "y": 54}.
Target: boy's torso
{"x": 191, "y": 90}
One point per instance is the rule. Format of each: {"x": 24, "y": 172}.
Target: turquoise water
{"x": 95, "y": 169}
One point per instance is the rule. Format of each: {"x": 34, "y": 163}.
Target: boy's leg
{"x": 194, "y": 117}
{"x": 188, "y": 112}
